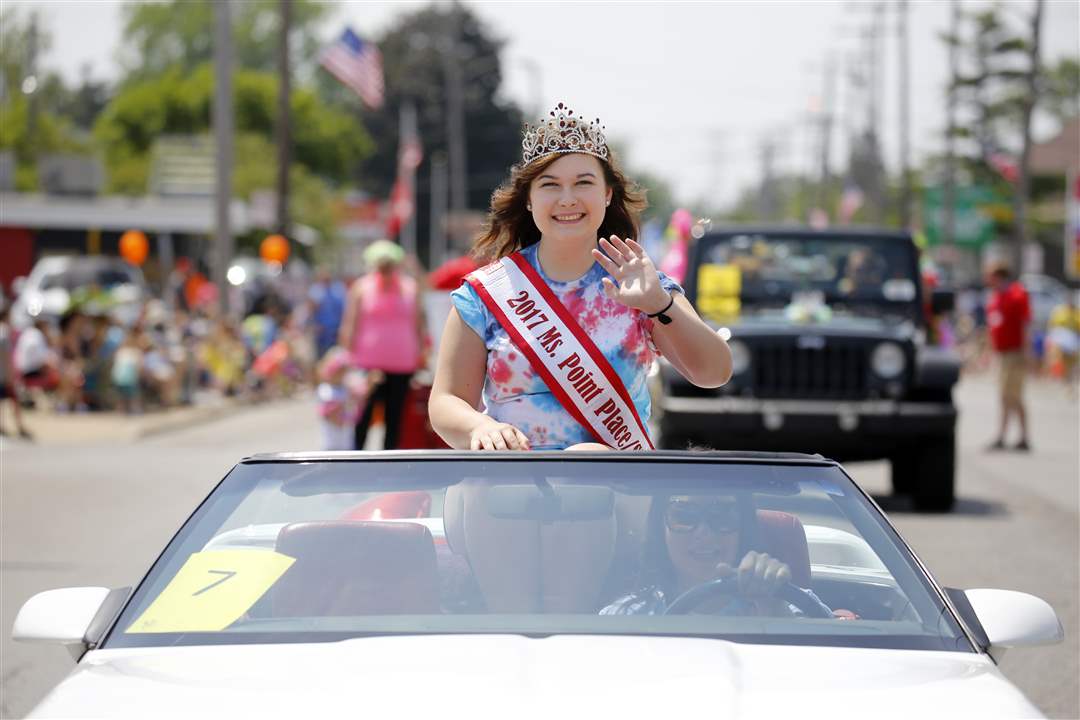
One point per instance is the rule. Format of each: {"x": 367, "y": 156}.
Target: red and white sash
{"x": 573, "y": 368}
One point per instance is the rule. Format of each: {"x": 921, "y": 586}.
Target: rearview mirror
{"x": 1014, "y": 619}
{"x": 60, "y": 617}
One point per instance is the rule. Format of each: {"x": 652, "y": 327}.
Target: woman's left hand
{"x": 639, "y": 283}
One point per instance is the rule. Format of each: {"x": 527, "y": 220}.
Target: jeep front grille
{"x": 835, "y": 372}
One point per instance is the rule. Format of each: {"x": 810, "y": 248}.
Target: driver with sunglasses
{"x": 693, "y": 540}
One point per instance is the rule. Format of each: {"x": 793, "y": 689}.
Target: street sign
{"x": 1072, "y": 227}
{"x": 973, "y": 215}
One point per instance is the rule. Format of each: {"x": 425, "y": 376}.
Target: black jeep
{"x": 829, "y": 342}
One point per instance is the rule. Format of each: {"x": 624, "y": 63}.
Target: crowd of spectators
{"x": 90, "y": 359}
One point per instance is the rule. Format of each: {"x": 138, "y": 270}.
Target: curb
{"x": 50, "y": 429}
{"x": 187, "y": 417}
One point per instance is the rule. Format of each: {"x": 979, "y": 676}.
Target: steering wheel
{"x": 698, "y": 594}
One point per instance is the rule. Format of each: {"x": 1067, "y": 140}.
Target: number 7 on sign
{"x": 186, "y": 606}
{"x": 226, "y": 573}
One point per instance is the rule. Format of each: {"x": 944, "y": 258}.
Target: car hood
{"x": 497, "y": 676}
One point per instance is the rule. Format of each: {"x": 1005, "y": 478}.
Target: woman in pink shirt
{"x": 383, "y": 329}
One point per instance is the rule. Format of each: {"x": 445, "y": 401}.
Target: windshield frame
{"x": 244, "y": 477}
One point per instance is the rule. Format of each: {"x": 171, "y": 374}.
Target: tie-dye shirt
{"x": 515, "y": 394}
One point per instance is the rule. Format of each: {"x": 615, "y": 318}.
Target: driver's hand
{"x": 493, "y": 435}
{"x": 758, "y": 574}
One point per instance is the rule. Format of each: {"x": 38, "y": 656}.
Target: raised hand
{"x": 638, "y": 281}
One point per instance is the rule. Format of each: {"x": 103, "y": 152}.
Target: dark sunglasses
{"x": 686, "y": 517}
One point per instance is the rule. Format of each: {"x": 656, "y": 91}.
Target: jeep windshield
{"x": 818, "y": 275}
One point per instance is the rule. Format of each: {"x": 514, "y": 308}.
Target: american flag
{"x": 358, "y": 64}
{"x": 850, "y": 202}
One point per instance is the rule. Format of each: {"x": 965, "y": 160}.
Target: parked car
{"x": 829, "y": 341}
{"x": 55, "y": 281}
{"x": 1045, "y": 293}
{"x": 452, "y": 583}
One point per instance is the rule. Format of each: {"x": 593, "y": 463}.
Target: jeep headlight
{"x": 740, "y": 357}
{"x": 888, "y": 360}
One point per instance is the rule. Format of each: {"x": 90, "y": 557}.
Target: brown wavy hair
{"x": 510, "y": 225}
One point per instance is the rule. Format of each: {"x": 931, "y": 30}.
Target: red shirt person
{"x": 1007, "y": 315}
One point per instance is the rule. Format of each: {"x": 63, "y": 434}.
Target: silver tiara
{"x": 563, "y": 133}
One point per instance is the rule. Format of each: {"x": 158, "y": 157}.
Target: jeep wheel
{"x": 904, "y": 472}
{"x": 933, "y": 478}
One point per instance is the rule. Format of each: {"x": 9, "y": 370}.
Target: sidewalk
{"x": 89, "y": 428}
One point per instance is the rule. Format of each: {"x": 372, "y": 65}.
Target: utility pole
{"x": 223, "y": 135}
{"x": 439, "y": 200}
{"x": 408, "y": 133}
{"x": 879, "y": 189}
{"x": 905, "y": 116}
{"x": 827, "y": 102}
{"x": 282, "y": 132}
{"x": 948, "y": 196}
{"x": 1023, "y": 185}
{"x": 455, "y": 116}
{"x": 766, "y": 204}
{"x": 30, "y": 81}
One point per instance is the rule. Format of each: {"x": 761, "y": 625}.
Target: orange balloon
{"x": 134, "y": 247}
{"x": 274, "y": 248}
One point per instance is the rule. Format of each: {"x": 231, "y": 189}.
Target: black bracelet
{"x": 662, "y": 315}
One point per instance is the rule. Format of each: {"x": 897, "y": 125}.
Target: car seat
{"x": 781, "y": 535}
{"x": 524, "y": 564}
{"x": 356, "y": 568}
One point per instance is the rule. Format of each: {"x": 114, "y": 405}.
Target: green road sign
{"x": 974, "y": 212}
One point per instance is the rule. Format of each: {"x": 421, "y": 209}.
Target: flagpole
{"x": 407, "y": 136}
{"x": 283, "y": 131}
{"x": 223, "y": 131}
{"x": 439, "y": 198}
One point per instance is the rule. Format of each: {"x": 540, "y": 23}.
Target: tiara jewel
{"x": 563, "y": 133}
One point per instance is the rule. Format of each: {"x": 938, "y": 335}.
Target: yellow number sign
{"x": 212, "y": 590}
{"x": 718, "y": 291}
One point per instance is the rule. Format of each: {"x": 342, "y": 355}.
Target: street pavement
{"x": 93, "y": 508}
{"x": 1015, "y": 526}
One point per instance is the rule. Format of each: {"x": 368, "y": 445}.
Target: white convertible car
{"x": 537, "y": 585}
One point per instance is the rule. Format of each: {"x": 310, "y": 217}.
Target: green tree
{"x": 179, "y": 33}
{"x": 990, "y": 91}
{"x": 326, "y": 142}
{"x": 658, "y": 192}
{"x": 415, "y": 51}
{"x": 1061, "y": 89}
{"x": 30, "y": 124}
{"x": 415, "y": 54}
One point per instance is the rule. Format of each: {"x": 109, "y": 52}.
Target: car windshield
{"x": 328, "y": 550}
{"x": 771, "y": 274}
